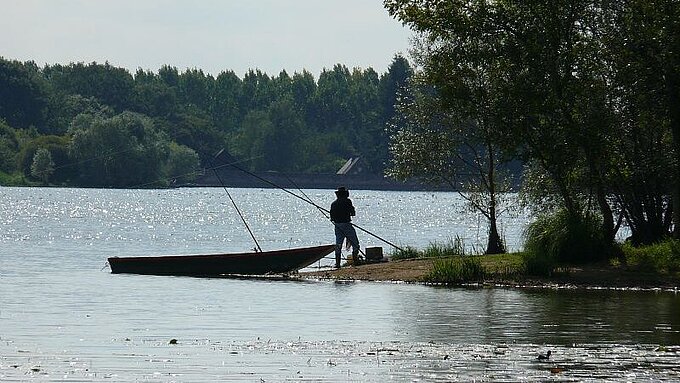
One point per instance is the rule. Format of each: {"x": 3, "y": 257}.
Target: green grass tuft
{"x": 459, "y": 269}
{"x": 407, "y": 252}
{"x": 563, "y": 238}
{"x": 455, "y": 246}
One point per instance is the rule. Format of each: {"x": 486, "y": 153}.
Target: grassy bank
{"x": 658, "y": 263}
{"x": 656, "y": 266}
{"x": 452, "y": 265}
{"x": 661, "y": 258}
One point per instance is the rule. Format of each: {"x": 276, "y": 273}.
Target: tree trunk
{"x": 495, "y": 244}
{"x": 674, "y": 105}
{"x": 608, "y": 228}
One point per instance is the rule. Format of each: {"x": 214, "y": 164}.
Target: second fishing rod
{"x": 309, "y": 201}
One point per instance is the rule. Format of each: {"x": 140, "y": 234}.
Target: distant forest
{"x": 101, "y": 126}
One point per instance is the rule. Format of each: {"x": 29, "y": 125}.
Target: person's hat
{"x": 342, "y": 192}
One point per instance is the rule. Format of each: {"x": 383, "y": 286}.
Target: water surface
{"x": 64, "y": 317}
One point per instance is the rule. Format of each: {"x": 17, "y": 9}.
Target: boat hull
{"x": 253, "y": 263}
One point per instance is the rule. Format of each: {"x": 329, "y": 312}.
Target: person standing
{"x": 342, "y": 212}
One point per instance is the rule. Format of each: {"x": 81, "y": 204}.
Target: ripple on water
{"x": 62, "y": 317}
{"x": 210, "y": 360}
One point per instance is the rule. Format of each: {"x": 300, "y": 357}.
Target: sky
{"x": 211, "y": 35}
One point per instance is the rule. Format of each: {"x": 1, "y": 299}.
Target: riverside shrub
{"x": 563, "y": 238}
{"x": 662, "y": 257}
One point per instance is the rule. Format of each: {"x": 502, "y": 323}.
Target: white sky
{"x": 212, "y": 35}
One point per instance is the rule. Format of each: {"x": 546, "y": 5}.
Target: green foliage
{"x": 226, "y": 110}
{"x": 279, "y": 146}
{"x": 455, "y": 246}
{"x": 192, "y": 127}
{"x": 586, "y": 93}
{"x": 452, "y": 247}
{"x": 662, "y": 257}
{"x": 42, "y": 166}
{"x": 122, "y": 151}
{"x": 320, "y": 152}
{"x": 501, "y": 266}
{"x": 452, "y": 137}
{"x": 459, "y": 269}
{"x": 128, "y": 150}
{"x": 392, "y": 86}
{"x": 284, "y": 122}
{"x": 64, "y": 108}
{"x": 195, "y": 88}
{"x": 58, "y": 147}
{"x": 112, "y": 86}
{"x": 23, "y": 94}
{"x": 182, "y": 164}
{"x": 13, "y": 179}
{"x": 406, "y": 252}
{"x": 9, "y": 147}
{"x": 539, "y": 264}
{"x": 564, "y": 238}
{"x": 154, "y": 98}
{"x": 247, "y": 143}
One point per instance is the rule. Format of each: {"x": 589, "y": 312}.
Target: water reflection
{"x": 541, "y": 316}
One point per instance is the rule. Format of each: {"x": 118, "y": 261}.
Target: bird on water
{"x": 545, "y": 356}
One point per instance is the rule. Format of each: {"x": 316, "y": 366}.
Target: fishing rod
{"x": 233, "y": 202}
{"x": 309, "y": 202}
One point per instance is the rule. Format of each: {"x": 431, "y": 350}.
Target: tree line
{"x": 585, "y": 93}
{"x": 100, "y": 125}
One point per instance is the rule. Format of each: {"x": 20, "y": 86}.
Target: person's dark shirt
{"x": 342, "y": 210}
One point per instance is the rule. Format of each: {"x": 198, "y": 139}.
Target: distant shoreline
{"x": 236, "y": 179}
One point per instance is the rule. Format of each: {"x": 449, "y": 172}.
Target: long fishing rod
{"x": 312, "y": 203}
{"x": 234, "y": 203}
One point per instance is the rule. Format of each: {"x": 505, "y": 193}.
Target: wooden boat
{"x": 252, "y": 263}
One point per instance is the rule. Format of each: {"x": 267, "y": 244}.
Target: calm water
{"x": 64, "y": 317}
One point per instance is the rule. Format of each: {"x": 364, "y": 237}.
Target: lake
{"x": 64, "y": 317}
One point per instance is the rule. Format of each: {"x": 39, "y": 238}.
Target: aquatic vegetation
{"x": 459, "y": 269}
